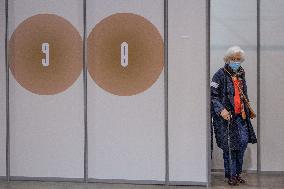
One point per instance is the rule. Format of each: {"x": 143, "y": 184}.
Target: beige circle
{"x": 65, "y": 54}
{"x": 145, "y": 54}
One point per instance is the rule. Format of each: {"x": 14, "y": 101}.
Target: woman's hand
{"x": 225, "y": 114}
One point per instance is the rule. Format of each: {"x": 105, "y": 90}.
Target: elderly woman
{"x": 231, "y": 113}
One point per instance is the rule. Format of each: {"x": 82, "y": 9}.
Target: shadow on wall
{"x": 248, "y": 159}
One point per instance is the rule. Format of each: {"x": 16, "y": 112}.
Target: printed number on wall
{"x": 124, "y": 54}
{"x": 45, "y": 50}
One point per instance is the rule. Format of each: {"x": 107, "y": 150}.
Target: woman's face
{"x": 236, "y": 57}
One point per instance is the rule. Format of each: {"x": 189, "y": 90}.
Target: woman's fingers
{"x": 225, "y": 114}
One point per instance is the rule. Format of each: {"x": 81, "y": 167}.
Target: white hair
{"x": 232, "y": 51}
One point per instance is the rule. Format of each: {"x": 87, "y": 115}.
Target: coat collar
{"x": 240, "y": 73}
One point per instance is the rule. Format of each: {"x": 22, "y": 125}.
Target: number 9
{"x": 45, "y": 50}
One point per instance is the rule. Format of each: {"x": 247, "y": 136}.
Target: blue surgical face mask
{"x": 235, "y": 65}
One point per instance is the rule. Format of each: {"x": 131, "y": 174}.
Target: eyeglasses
{"x": 235, "y": 59}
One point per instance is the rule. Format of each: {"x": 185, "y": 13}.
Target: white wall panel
{"x": 272, "y": 86}
{"x": 2, "y": 91}
{"x": 187, "y": 91}
{"x": 126, "y": 133}
{"x": 47, "y": 131}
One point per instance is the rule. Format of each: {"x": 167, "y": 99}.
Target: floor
{"x": 254, "y": 181}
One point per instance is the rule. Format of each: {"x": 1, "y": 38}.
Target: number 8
{"x": 124, "y": 54}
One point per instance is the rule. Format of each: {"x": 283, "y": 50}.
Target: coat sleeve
{"x": 216, "y": 96}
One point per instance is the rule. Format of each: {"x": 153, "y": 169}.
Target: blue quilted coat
{"x": 222, "y": 96}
